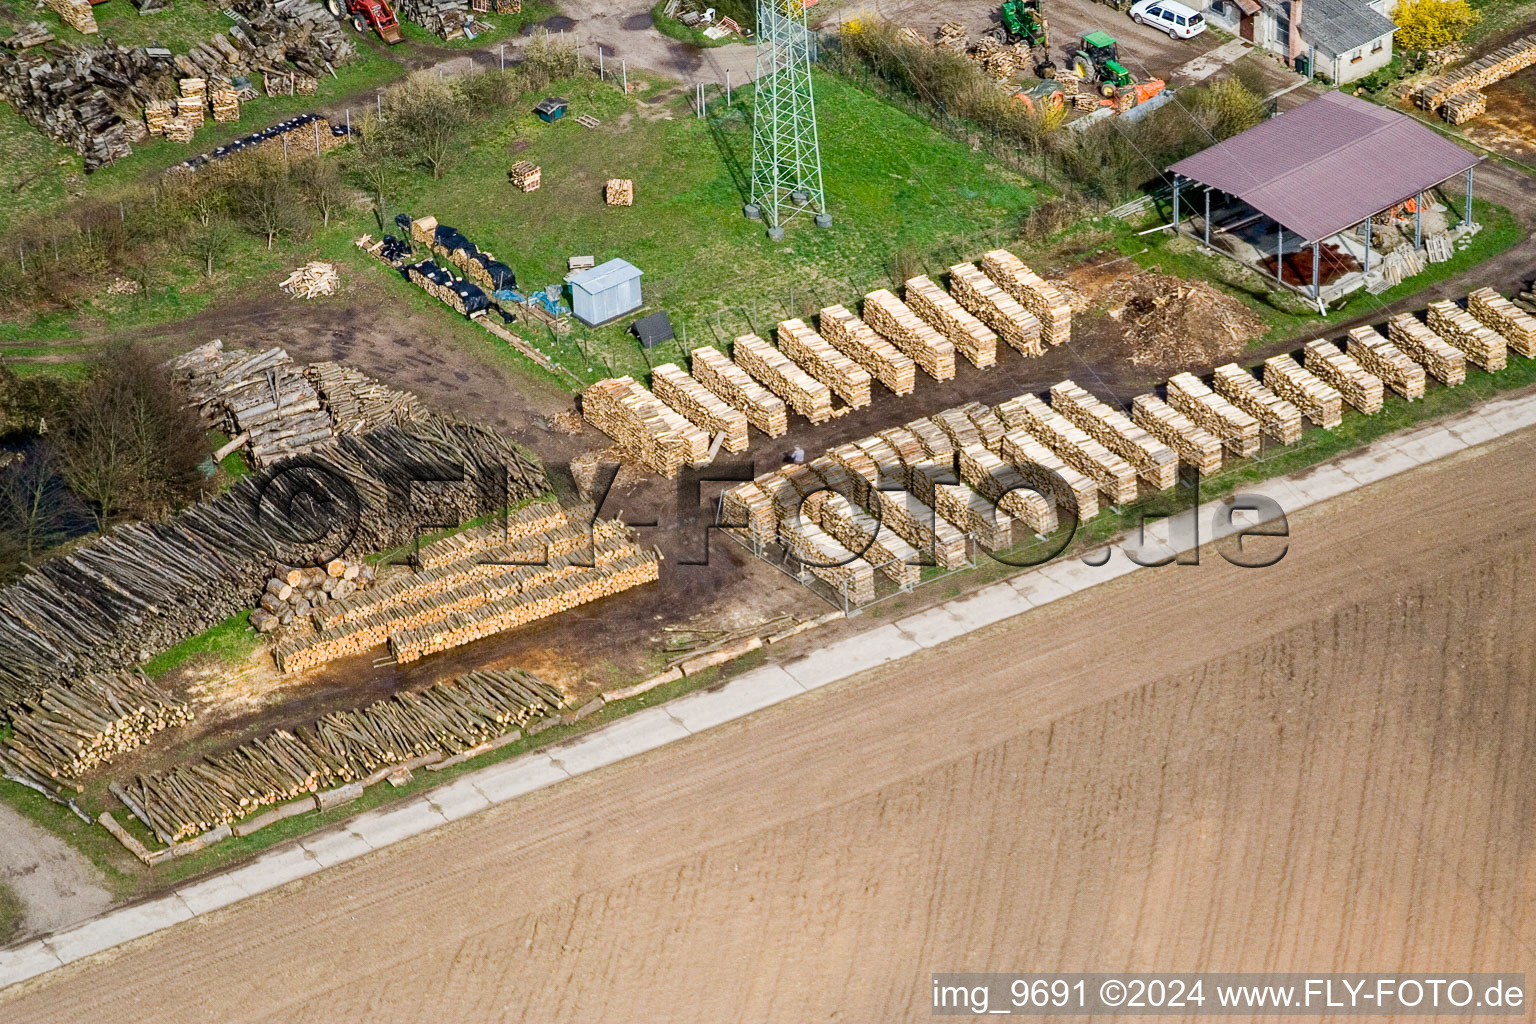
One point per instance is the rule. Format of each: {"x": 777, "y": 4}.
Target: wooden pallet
{"x": 1110, "y": 473}
{"x": 700, "y": 406}
{"x": 775, "y": 371}
{"x": 811, "y": 352}
{"x": 1497, "y": 313}
{"x": 908, "y": 332}
{"x": 1041, "y": 298}
{"x": 1446, "y": 364}
{"x": 979, "y": 295}
{"x": 1277, "y": 417}
{"x": 1360, "y": 389}
{"x": 859, "y": 342}
{"x": 1319, "y": 402}
{"x": 736, "y": 388}
{"x": 1462, "y": 330}
{"x": 1376, "y": 355}
{"x": 1153, "y": 460}
{"x": 970, "y": 336}
{"x": 1238, "y": 431}
{"x": 1194, "y": 445}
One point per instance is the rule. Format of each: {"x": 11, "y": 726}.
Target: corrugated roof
{"x": 605, "y": 276}
{"x": 1328, "y": 164}
{"x": 1339, "y": 26}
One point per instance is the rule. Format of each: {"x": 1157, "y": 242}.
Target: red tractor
{"x": 377, "y": 13}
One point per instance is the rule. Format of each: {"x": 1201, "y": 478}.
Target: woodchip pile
{"x": 1194, "y": 445}
{"x": 1277, "y": 417}
{"x": 995, "y": 308}
{"x": 292, "y": 593}
{"x": 1114, "y": 477}
{"x": 700, "y": 406}
{"x": 643, "y": 426}
{"x": 970, "y": 336}
{"x": 1379, "y": 357}
{"x": 768, "y": 366}
{"x": 1446, "y": 364}
{"x": 859, "y": 342}
{"x": 811, "y": 352}
{"x": 619, "y": 192}
{"x": 1038, "y": 296}
{"x": 1461, "y": 330}
{"x": 903, "y": 328}
{"x": 312, "y": 280}
{"x": 1153, "y": 460}
{"x": 1319, "y": 402}
{"x": 525, "y": 175}
{"x": 734, "y": 386}
{"x": 1360, "y": 389}
{"x": 340, "y": 748}
{"x": 1498, "y": 314}
{"x": 1238, "y": 431}
{"x": 1479, "y": 74}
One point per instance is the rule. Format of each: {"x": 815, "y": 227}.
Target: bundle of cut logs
{"x": 644, "y": 426}
{"x": 619, "y": 192}
{"x": 1320, "y": 402}
{"x": 1239, "y": 432}
{"x": 1195, "y": 446}
{"x": 859, "y": 342}
{"x": 312, "y": 280}
{"x": 1277, "y": 417}
{"x": 1461, "y": 329}
{"x": 1154, "y": 461}
{"x": 1463, "y": 107}
{"x": 700, "y": 406}
{"x": 778, "y": 373}
{"x": 996, "y": 308}
{"x": 76, "y": 14}
{"x": 263, "y": 396}
{"x": 1035, "y": 294}
{"x": 908, "y": 332}
{"x": 33, "y": 33}
{"x": 1360, "y": 389}
{"x": 1378, "y": 356}
{"x": 1499, "y": 314}
{"x": 845, "y": 377}
{"x": 970, "y": 336}
{"x": 736, "y": 388}
{"x": 291, "y": 592}
{"x": 525, "y": 175}
{"x": 358, "y": 402}
{"x": 1446, "y": 364}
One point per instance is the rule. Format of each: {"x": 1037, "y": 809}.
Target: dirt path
{"x": 56, "y": 886}
{"x": 1322, "y": 766}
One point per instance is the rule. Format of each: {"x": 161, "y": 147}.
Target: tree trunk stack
{"x": 1461, "y": 330}
{"x": 735, "y": 387}
{"x": 699, "y": 405}
{"x": 643, "y": 426}
{"x": 995, "y": 308}
{"x": 1497, "y": 313}
{"x": 970, "y": 336}
{"x": 1481, "y": 73}
{"x": 1153, "y": 461}
{"x": 1195, "y": 446}
{"x": 1321, "y": 403}
{"x": 1446, "y": 364}
{"x": 1041, "y": 298}
{"x": 292, "y": 594}
{"x": 1239, "y": 432}
{"x": 1379, "y": 357}
{"x": 1277, "y": 417}
{"x": 810, "y": 351}
{"x": 768, "y": 366}
{"x": 906, "y": 330}
{"x": 859, "y": 342}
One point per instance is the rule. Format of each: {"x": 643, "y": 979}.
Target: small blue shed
{"x": 605, "y": 292}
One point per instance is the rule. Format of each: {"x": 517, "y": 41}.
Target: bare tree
{"x": 375, "y": 166}
{"x": 37, "y": 509}
{"x": 422, "y": 118}
{"x": 321, "y": 183}
{"x": 211, "y": 242}
{"x": 265, "y": 197}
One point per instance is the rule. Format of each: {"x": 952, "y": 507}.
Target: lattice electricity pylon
{"x": 786, "y": 153}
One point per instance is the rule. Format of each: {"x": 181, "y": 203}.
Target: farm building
{"x": 1292, "y": 196}
{"x": 605, "y": 292}
{"x": 1340, "y": 39}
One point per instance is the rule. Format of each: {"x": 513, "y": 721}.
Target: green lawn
{"x": 11, "y": 912}
{"x": 179, "y": 27}
{"x": 1499, "y": 16}
{"x": 230, "y": 641}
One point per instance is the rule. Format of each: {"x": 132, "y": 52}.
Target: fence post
{"x": 624, "y": 71}
{"x": 503, "y": 56}
{"x": 727, "y": 86}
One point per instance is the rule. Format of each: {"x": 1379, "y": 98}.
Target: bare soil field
{"x": 1326, "y": 765}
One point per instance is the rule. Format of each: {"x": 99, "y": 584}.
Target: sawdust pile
{"x": 1170, "y": 321}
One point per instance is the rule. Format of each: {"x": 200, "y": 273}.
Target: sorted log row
{"x": 818, "y": 553}
{"x": 357, "y": 402}
{"x": 1194, "y": 445}
{"x": 523, "y": 530}
{"x": 1446, "y": 364}
{"x": 1110, "y": 473}
{"x": 1035, "y": 294}
{"x": 1461, "y": 330}
{"x": 1044, "y": 470}
{"x": 1238, "y": 431}
{"x": 1320, "y": 402}
{"x": 995, "y": 308}
{"x": 1498, "y": 314}
{"x": 925, "y": 346}
{"x": 859, "y": 342}
{"x": 619, "y": 192}
{"x": 525, "y": 175}
{"x": 643, "y": 426}
{"x": 736, "y": 388}
{"x": 1463, "y": 107}
{"x": 987, "y": 525}
{"x": 768, "y": 366}
{"x": 1153, "y": 461}
{"x": 1005, "y": 486}
{"x": 860, "y": 532}
{"x": 970, "y": 336}
{"x": 77, "y": 14}
{"x": 811, "y": 352}
{"x": 1277, "y": 417}
{"x": 312, "y": 280}
{"x": 1479, "y": 74}
{"x": 700, "y": 406}
{"x": 293, "y": 593}
{"x": 339, "y": 748}
{"x": 1360, "y": 389}
{"x": 1378, "y": 356}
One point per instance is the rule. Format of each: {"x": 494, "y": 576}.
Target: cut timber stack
{"x": 1479, "y": 74}
{"x": 260, "y": 394}
{"x": 1194, "y": 445}
{"x": 970, "y": 336}
{"x": 1497, "y": 313}
{"x": 857, "y": 530}
{"x": 700, "y": 406}
{"x": 1006, "y": 487}
{"x": 810, "y": 351}
{"x": 859, "y": 342}
{"x": 1112, "y": 474}
{"x": 1446, "y": 364}
{"x": 1319, "y": 402}
{"x": 906, "y": 330}
{"x": 292, "y": 593}
{"x": 643, "y": 426}
{"x": 1360, "y": 389}
{"x": 1239, "y": 432}
{"x": 747, "y": 507}
{"x": 1041, "y": 298}
{"x": 995, "y": 308}
{"x": 819, "y": 553}
{"x": 1277, "y": 417}
{"x": 1043, "y": 470}
{"x": 157, "y": 114}
{"x": 225, "y": 102}
{"x": 179, "y": 129}
{"x": 1378, "y": 356}
{"x": 923, "y": 528}
{"x": 619, "y": 192}
{"x": 733, "y": 386}
{"x": 1154, "y": 461}
{"x": 525, "y": 175}
{"x": 1463, "y": 107}
{"x": 1461, "y": 330}
{"x": 76, "y": 14}
{"x": 768, "y": 366}
{"x": 986, "y": 524}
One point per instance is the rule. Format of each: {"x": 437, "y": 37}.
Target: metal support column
{"x": 1467, "y": 216}
{"x": 1317, "y": 292}
{"x": 1280, "y": 253}
{"x": 1207, "y": 216}
{"x": 1367, "y": 269}
{"x": 1175, "y": 204}
{"x": 1418, "y": 220}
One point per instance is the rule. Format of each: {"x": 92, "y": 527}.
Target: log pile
{"x": 1362, "y": 390}
{"x": 1498, "y": 314}
{"x": 986, "y": 524}
{"x": 1035, "y": 294}
{"x": 33, "y": 33}
{"x": 1446, "y": 364}
{"x": 1277, "y": 417}
{"x": 988, "y": 425}
{"x": 1319, "y": 402}
{"x": 1043, "y": 470}
{"x": 525, "y": 175}
{"x": 995, "y": 308}
{"x": 1461, "y": 330}
{"x": 859, "y": 342}
{"x": 1005, "y": 486}
{"x": 1194, "y": 445}
{"x": 524, "y": 532}
{"x": 819, "y": 553}
{"x": 736, "y": 388}
{"x": 700, "y": 406}
{"x": 768, "y": 366}
{"x": 810, "y": 351}
{"x": 1109, "y": 472}
{"x": 1379, "y": 357}
{"x": 619, "y": 192}
{"x": 291, "y": 593}
{"x": 903, "y": 328}
{"x": 77, "y": 14}
{"x": 157, "y": 114}
{"x": 312, "y": 280}
{"x": 970, "y": 336}
{"x": 920, "y": 526}
{"x": 359, "y": 403}
{"x": 643, "y": 426}
{"x": 1463, "y": 107}
{"x": 1153, "y": 461}
{"x": 1238, "y": 431}
{"x": 1479, "y": 74}
{"x": 747, "y": 507}
{"x": 445, "y": 18}
{"x": 264, "y": 395}
{"x": 882, "y": 548}
{"x": 340, "y": 748}
{"x": 225, "y": 102}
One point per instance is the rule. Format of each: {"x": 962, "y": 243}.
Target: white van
{"x": 1178, "y": 21}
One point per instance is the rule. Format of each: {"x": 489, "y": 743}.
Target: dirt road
{"x": 1326, "y": 765}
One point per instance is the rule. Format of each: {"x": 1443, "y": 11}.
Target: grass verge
{"x": 231, "y": 641}
{"x": 11, "y": 913}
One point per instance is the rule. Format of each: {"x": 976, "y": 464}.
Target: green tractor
{"x": 1023, "y": 22}
{"x": 1098, "y": 60}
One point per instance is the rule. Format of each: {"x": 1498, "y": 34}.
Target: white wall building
{"x": 1342, "y": 39}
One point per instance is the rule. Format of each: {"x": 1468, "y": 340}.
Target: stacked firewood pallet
{"x": 1379, "y": 357}
{"x": 1319, "y": 402}
{"x": 179, "y": 129}
{"x": 225, "y": 102}
{"x": 1463, "y": 107}
{"x": 292, "y": 592}
{"x": 700, "y": 406}
{"x": 1277, "y": 417}
{"x": 1480, "y": 74}
{"x": 907, "y": 516}
{"x": 859, "y": 342}
{"x": 644, "y": 426}
{"x": 811, "y": 352}
{"x": 747, "y": 507}
{"x": 906, "y": 330}
{"x": 1461, "y": 330}
{"x": 997, "y": 480}
{"x": 76, "y": 14}
{"x": 819, "y": 553}
{"x": 1110, "y": 473}
{"x": 1497, "y": 313}
{"x": 1446, "y": 364}
{"x": 970, "y": 336}
{"x": 988, "y": 526}
{"x": 157, "y": 114}
{"x": 525, "y": 175}
{"x": 619, "y": 192}
{"x": 1043, "y": 469}
{"x": 882, "y": 548}
{"x": 1194, "y": 445}
{"x": 736, "y": 388}
{"x": 1360, "y": 389}
{"x": 778, "y": 373}
{"x": 1153, "y": 461}
{"x": 1042, "y": 299}
{"x": 340, "y": 748}
{"x": 995, "y": 308}
{"x": 1238, "y": 431}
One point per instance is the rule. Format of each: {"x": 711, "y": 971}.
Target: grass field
{"x": 179, "y": 27}
{"x": 1498, "y": 17}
